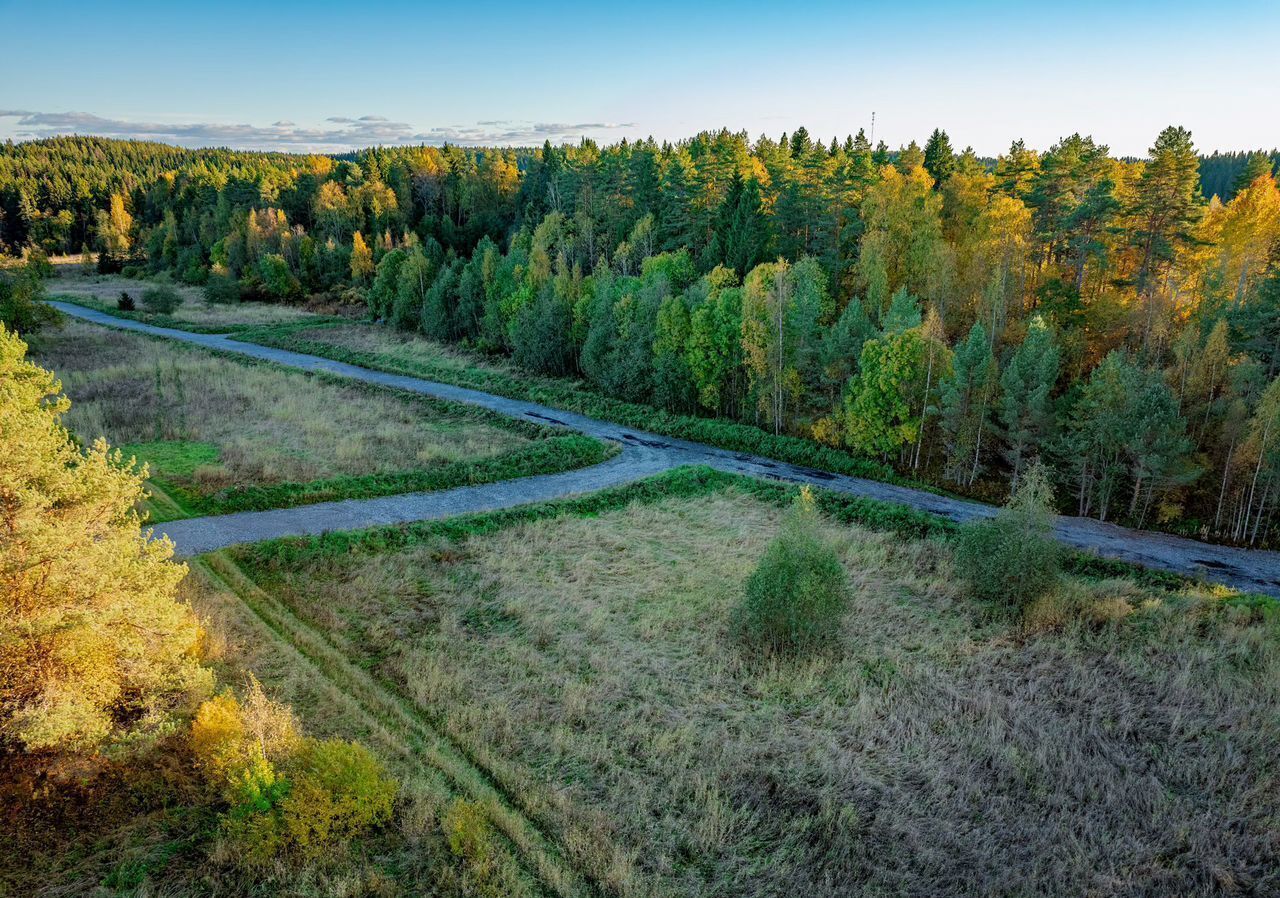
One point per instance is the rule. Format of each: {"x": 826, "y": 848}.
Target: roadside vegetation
{"x": 221, "y": 434}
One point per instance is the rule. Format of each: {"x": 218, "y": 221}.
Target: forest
{"x": 958, "y": 318}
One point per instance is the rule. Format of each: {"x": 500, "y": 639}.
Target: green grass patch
{"x": 173, "y": 458}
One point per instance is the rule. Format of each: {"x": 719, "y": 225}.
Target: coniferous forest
{"x": 956, "y": 317}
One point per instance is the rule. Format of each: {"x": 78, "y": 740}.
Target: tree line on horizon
{"x": 956, "y": 317}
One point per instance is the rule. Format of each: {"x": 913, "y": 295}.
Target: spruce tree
{"x": 939, "y": 159}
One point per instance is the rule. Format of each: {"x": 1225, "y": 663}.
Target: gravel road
{"x": 643, "y": 454}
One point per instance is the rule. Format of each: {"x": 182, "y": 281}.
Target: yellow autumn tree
{"x": 1250, "y": 237}
{"x": 361, "y": 258}
{"x": 114, "y": 227}
{"x": 93, "y": 642}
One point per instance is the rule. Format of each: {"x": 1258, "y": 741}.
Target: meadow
{"x": 579, "y": 657}
{"x": 224, "y": 434}
{"x": 103, "y": 291}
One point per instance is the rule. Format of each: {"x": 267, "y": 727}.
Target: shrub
{"x": 21, "y": 308}
{"x": 1012, "y": 559}
{"x": 471, "y": 840}
{"x": 222, "y": 289}
{"x": 288, "y": 797}
{"x": 125, "y": 303}
{"x": 227, "y": 736}
{"x": 339, "y": 790}
{"x": 161, "y": 299}
{"x": 797, "y": 595}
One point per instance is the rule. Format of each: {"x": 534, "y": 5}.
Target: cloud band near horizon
{"x": 336, "y": 134}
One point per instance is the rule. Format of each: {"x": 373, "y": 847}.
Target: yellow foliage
{"x": 289, "y": 797}
{"x": 228, "y": 736}
{"x": 338, "y": 790}
{"x": 93, "y": 642}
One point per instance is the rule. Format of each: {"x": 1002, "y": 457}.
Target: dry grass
{"x": 270, "y": 425}
{"x": 1124, "y": 748}
{"x": 105, "y": 289}
{"x": 398, "y": 346}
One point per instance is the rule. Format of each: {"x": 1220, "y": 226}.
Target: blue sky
{"x": 330, "y": 76}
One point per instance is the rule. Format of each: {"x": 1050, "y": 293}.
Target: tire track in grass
{"x": 437, "y": 755}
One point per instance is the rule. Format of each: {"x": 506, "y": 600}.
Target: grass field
{"x": 578, "y": 658}
{"x": 101, "y": 291}
{"x": 221, "y": 434}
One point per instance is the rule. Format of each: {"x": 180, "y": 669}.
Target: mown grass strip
{"x": 404, "y": 725}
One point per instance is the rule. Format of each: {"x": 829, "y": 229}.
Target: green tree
{"x": 878, "y": 414}
{"x": 1166, "y": 208}
{"x": 968, "y": 396}
{"x": 782, "y": 306}
{"x": 939, "y": 159}
{"x": 1012, "y": 559}
{"x": 1026, "y": 415}
{"x": 714, "y": 347}
{"x": 21, "y": 302}
{"x": 796, "y": 598}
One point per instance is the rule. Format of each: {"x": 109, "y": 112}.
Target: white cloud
{"x": 284, "y": 135}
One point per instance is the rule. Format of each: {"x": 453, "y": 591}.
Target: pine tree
{"x": 93, "y": 641}
{"x": 1167, "y": 206}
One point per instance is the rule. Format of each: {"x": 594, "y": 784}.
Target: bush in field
{"x": 21, "y": 309}
{"x": 93, "y": 641}
{"x": 796, "y": 597}
{"x": 161, "y": 299}
{"x": 1012, "y": 559}
{"x": 222, "y": 290}
{"x": 288, "y": 796}
{"x": 125, "y": 303}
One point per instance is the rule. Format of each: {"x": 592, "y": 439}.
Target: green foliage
{"x": 879, "y": 414}
{"x": 1012, "y": 559}
{"x": 125, "y": 303}
{"x": 339, "y": 790}
{"x": 968, "y": 395}
{"x": 288, "y": 797}
{"x": 1025, "y": 413}
{"x": 795, "y": 599}
{"x": 21, "y": 309}
{"x": 220, "y": 289}
{"x": 161, "y": 299}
